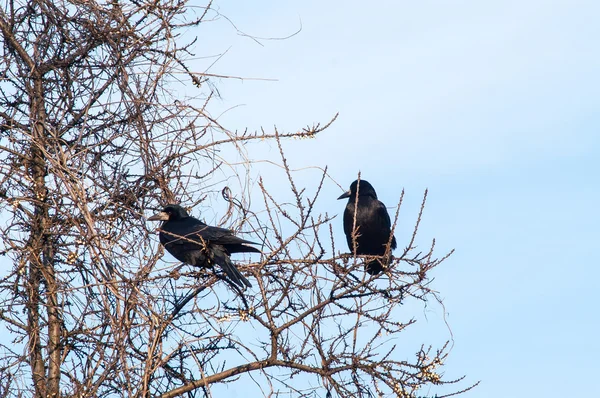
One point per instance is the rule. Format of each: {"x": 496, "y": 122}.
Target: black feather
{"x": 191, "y": 241}
{"x": 372, "y": 222}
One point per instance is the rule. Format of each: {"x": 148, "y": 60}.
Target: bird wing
{"x": 193, "y": 242}
{"x": 193, "y": 234}
{"x": 384, "y": 217}
{"x": 194, "y": 229}
{"x": 374, "y": 225}
{"x": 221, "y": 236}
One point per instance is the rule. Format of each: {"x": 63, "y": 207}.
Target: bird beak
{"x": 160, "y": 216}
{"x": 345, "y": 195}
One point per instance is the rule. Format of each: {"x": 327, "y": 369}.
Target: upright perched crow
{"x": 191, "y": 241}
{"x": 372, "y": 223}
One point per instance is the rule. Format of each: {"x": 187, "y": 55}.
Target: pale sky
{"x": 491, "y": 105}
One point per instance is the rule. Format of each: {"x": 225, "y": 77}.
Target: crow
{"x": 373, "y": 226}
{"x": 191, "y": 241}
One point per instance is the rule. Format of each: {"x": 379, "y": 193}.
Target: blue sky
{"x": 493, "y": 106}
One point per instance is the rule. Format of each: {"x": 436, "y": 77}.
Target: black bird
{"x": 191, "y": 241}
{"x": 372, "y": 223}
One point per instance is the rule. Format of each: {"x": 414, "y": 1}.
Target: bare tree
{"x": 92, "y": 138}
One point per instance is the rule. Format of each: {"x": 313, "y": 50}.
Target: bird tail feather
{"x": 230, "y": 269}
{"x": 374, "y": 267}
